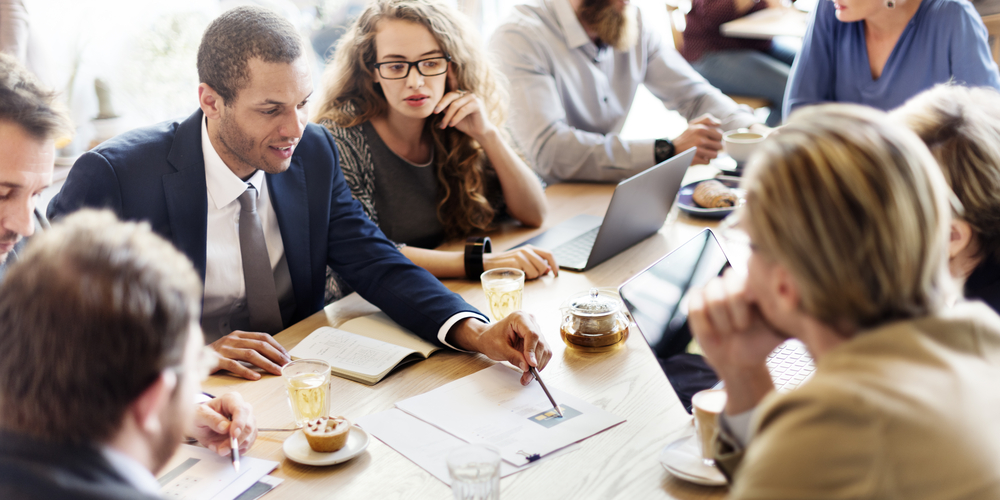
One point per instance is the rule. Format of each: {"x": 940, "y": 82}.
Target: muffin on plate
{"x": 327, "y": 434}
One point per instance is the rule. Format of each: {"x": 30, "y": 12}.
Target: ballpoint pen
{"x": 555, "y": 405}
{"x": 236, "y": 452}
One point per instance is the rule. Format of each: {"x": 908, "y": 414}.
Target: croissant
{"x": 714, "y": 194}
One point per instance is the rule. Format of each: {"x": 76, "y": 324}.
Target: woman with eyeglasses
{"x": 418, "y": 114}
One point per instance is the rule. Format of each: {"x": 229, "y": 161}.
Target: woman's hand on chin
{"x": 464, "y": 111}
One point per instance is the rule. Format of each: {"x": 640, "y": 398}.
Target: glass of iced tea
{"x": 308, "y": 384}
{"x": 503, "y": 287}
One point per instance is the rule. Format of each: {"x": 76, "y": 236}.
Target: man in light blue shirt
{"x": 574, "y": 68}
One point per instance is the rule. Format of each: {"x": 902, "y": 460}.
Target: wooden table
{"x": 768, "y": 23}
{"x": 618, "y": 463}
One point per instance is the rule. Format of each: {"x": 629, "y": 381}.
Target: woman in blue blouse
{"x": 882, "y": 52}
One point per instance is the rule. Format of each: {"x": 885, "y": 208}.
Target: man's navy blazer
{"x": 32, "y": 469}
{"x": 157, "y": 174}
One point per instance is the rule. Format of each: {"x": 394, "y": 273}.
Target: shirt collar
{"x": 572, "y": 29}
{"x": 133, "y": 472}
{"x": 224, "y": 187}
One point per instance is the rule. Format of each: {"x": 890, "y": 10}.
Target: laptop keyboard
{"x": 575, "y": 252}
{"x": 790, "y": 365}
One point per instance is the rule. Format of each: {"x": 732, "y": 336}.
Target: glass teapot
{"x": 594, "y": 321}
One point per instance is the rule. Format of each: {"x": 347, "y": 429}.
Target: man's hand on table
{"x": 534, "y": 261}
{"x": 516, "y": 339}
{"x": 258, "y": 349}
{"x": 705, "y": 133}
{"x": 217, "y": 419}
{"x": 735, "y": 338}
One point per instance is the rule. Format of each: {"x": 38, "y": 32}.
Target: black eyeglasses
{"x": 397, "y": 70}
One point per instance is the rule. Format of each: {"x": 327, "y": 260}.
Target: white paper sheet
{"x": 491, "y": 406}
{"x": 196, "y": 473}
{"x": 426, "y": 445}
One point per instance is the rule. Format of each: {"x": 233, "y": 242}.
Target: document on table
{"x": 196, "y": 473}
{"x": 492, "y": 407}
{"x": 426, "y": 445}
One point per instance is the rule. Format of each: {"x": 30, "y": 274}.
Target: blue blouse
{"x": 945, "y": 39}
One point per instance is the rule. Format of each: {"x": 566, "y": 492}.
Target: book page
{"x": 491, "y": 406}
{"x": 379, "y": 326}
{"x": 348, "y": 352}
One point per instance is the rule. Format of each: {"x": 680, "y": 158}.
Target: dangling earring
{"x": 890, "y": 4}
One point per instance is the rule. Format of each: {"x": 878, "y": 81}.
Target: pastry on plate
{"x": 327, "y": 434}
{"x": 714, "y": 194}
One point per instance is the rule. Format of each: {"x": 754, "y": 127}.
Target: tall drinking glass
{"x": 308, "y": 384}
{"x": 475, "y": 472}
{"x": 503, "y": 287}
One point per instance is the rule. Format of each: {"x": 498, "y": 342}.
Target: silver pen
{"x": 555, "y": 405}
{"x": 236, "y": 452}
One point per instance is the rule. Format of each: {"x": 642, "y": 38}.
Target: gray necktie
{"x": 262, "y": 298}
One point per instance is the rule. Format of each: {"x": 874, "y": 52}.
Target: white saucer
{"x": 682, "y": 458}
{"x": 296, "y": 448}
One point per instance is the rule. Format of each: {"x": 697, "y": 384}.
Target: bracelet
{"x": 474, "y": 250}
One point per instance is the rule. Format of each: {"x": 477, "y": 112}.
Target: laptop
{"x": 657, "y": 300}
{"x": 637, "y": 210}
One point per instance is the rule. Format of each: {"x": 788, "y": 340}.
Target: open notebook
{"x": 364, "y": 349}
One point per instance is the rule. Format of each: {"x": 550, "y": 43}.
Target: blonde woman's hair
{"x": 961, "y": 126}
{"x": 351, "y": 97}
{"x": 857, "y": 210}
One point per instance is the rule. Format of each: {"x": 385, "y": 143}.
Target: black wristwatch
{"x": 474, "y": 250}
{"x": 663, "y": 150}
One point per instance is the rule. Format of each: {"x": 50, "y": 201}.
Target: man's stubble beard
{"x": 617, "y": 29}
{"x": 239, "y": 144}
{"x": 8, "y": 237}
{"x": 166, "y": 443}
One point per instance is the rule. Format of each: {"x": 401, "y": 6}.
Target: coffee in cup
{"x": 740, "y": 144}
{"x": 706, "y": 406}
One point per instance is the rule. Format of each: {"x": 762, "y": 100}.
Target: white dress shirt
{"x": 225, "y": 291}
{"x": 570, "y": 97}
{"x": 133, "y": 472}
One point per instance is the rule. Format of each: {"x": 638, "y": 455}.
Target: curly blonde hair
{"x": 351, "y": 97}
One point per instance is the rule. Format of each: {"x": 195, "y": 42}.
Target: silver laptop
{"x": 657, "y": 300}
{"x": 638, "y": 209}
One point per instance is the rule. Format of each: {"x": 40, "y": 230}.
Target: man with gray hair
{"x": 30, "y": 122}
{"x": 255, "y": 197}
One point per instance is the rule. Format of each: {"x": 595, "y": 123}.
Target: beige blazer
{"x": 909, "y": 410}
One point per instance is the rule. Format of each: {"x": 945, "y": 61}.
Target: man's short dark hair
{"x": 236, "y": 37}
{"x": 25, "y": 102}
{"x": 90, "y": 316}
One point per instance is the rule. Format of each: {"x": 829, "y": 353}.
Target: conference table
{"x": 620, "y": 462}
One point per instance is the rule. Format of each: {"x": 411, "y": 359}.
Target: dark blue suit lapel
{"x": 291, "y": 205}
{"x": 186, "y": 193}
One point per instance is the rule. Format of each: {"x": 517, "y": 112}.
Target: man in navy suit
{"x": 189, "y": 179}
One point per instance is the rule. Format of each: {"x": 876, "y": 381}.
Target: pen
{"x": 236, "y": 452}
{"x": 555, "y": 405}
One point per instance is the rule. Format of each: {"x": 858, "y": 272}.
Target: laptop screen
{"x": 657, "y": 298}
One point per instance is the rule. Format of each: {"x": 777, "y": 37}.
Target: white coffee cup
{"x": 740, "y": 143}
{"x": 706, "y": 406}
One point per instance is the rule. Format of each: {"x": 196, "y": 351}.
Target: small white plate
{"x": 682, "y": 458}
{"x": 296, "y": 448}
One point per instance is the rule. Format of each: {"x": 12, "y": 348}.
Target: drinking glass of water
{"x": 503, "y": 287}
{"x": 475, "y": 472}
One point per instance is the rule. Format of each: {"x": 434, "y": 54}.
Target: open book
{"x": 364, "y": 349}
